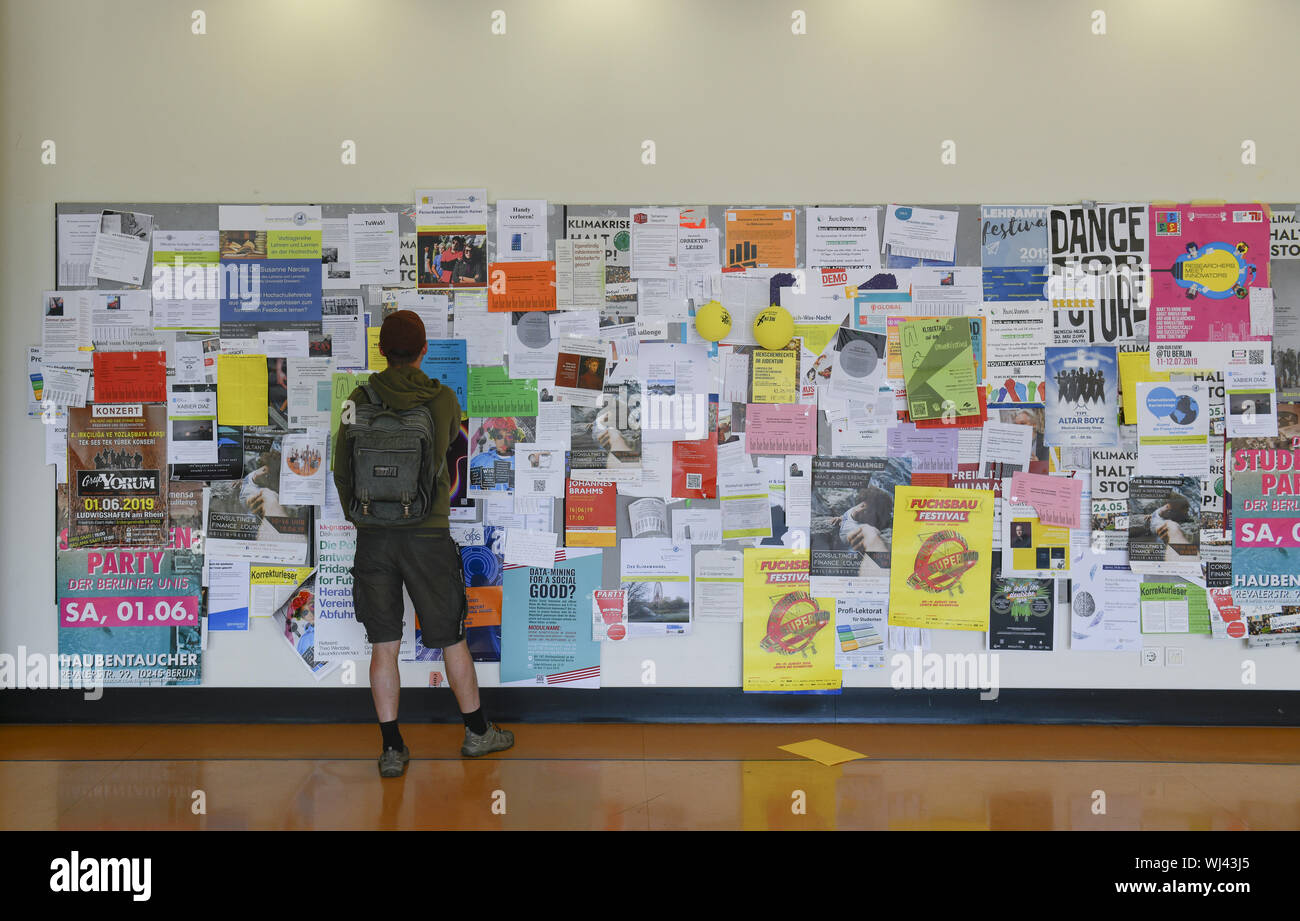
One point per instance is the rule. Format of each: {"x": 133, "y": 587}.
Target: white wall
{"x": 741, "y": 110}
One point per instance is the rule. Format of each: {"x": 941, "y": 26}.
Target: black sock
{"x": 475, "y": 722}
{"x": 392, "y": 738}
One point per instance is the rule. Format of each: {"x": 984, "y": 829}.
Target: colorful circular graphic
{"x": 793, "y": 623}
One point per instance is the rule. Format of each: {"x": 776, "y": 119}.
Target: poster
{"x": 1164, "y": 523}
{"x": 516, "y": 286}
{"x": 590, "y": 514}
{"x": 1264, "y": 483}
{"x": 1013, "y": 252}
{"x": 492, "y": 451}
{"x": 607, "y": 437}
{"x": 1021, "y": 611}
{"x": 861, "y": 628}
{"x": 129, "y": 617}
{"x": 939, "y": 368}
{"x": 546, "y": 622}
{"x": 270, "y": 269}
{"x": 451, "y": 237}
{"x": 655, "y": 578}
{"x": 941, "y": 558}
{"x": 1082, "y": 396}
{"x": 117, "y": 470}
{"x": 1111, "y": 471}
{"x": 1097, "y": 283}
{"x": 250, "y": 509}
{"x": 789, "y": 643}
{"x": 295, "y": 619}
{"x": 1104, "y": 611}
{"x": 760, "y": 238}
{"x": 1018, "y": 334}
{"x": 1204, "y": 261}
{"x": 853, "y": 515}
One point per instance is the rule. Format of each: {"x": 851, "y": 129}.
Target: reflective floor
{"x": 651, "y": 777}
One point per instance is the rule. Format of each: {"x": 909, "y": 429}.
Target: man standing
{"x": 421, "y": 556}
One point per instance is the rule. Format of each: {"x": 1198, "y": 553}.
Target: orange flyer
{"x": 760, "y": 238}
{"x": 518, "y": 286}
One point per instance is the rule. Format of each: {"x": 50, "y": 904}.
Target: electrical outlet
{"x": 1151, "y": 655}
{"x": 1173, "y": 655}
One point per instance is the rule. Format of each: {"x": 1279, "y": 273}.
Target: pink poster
{"x": 1204, "y": 261}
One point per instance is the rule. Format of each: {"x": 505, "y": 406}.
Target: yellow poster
{"x": 775, "y": 375}
{"x": 788, "y": 638}
{"x": 375, "y": 359}
{"x": 942, "y": 559}
{"x": 760, "y": 238}
{"x": 243, "y": 392}
{"x": 1135, "y": 367}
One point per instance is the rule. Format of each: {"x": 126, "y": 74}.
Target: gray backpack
{"x": 393, "y": 468}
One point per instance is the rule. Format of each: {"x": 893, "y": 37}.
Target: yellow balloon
{"x": 774, "y": 327}
{"x": 712, "y": 321}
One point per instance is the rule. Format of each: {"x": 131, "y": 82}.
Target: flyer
{"x": 787, "y": 634}
{"x": 1205, "y": 259}
{"x": 445, "y": 362}
{"x": 192, "y": 425}
{"x": 1173, "y": 428}
{"x": 580, "y": 370}
{"x": 579, "y": 274}
{"x": 1031, "y": 548}
{"x": 492, "y": 393}
{"x": 1251, "y": 401}
{"x": 117, "y": 471}
{"x": 648, "y": 517}
{"x": 606, "y": 439}
{"x": 270, "y": 269}
{"x": 654, "y": 241}
{"x": 656, "y": 578}
{"x": 539, "y": 471}
{"x": 761, "y": 237}
{"x": 546, "y": 636}
{"x": 939, "y": 368}
{"x": 521, "y": 229}
{"x": 719, "y": 585}
{"x": 1264, "y": 482}
{"x": 941, "y": 559}
{"x": 1104, "y": 608}
{"x": 493, "y": 448}
{"x": 1082, "y": 396}
{"x": 302, "y": 467}
{"x": 591, "y": 514}
{"x": 1018, "y": 335}
{"x": 451, "y": 237}
{"x": 1097, "y": 281}
{"x": 1021, "y": 610}
{"x": 1164, "y": 523}
{"x": 129, "y": 617}
{"x": 521, "y": 286}
{"x": 1111, "y": 472}
{"x": 843, "y": 237}
{"x": 853, "y": 518}
{"x": 130, "y": 377}
{"x": 862, "y": 628}
{"x": 1013, "y": 252}
{"x": 295, "y": 620}
{"x": 121, "y": 246}
{"x": 775, "y": 375}
{"x": 695, "y": 469}
{"x": 608, "y": 615}
{"x": 743, "y": 499}
{"x": 780, "y": 428}
{"x": 1173, "y": 607}
{"x": 246, "y": 518}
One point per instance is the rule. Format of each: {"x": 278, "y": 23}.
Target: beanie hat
{"x": 402, "y": 334}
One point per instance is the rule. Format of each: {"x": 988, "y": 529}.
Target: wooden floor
{"x": 617, "y": 776}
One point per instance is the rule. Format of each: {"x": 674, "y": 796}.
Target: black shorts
{"x": 430, "y": 568}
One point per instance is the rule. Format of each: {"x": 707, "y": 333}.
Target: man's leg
{"x": 481, "y": 737}
{"x": 460, "y": 675}
{"x": 385, "y": 681}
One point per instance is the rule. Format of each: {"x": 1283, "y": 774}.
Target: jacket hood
{"x": 404, "y": 386}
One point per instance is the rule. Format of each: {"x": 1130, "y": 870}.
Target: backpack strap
{"x": 371, "y": 395}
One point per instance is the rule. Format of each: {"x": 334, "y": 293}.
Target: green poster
{"x": 939, "y": 368}
{"x": 491, "y": 393}
{"x": 1174, "y": 607}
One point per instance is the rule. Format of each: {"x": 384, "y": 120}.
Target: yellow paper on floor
{"x": 822, "y": 752}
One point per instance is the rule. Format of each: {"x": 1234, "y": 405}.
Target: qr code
{"x": 539, "y": 486}
{"x": 694, "y": 481}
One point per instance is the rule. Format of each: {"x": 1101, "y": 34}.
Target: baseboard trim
{"x": 663, "y": 705}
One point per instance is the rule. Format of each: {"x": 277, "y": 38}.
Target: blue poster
{"x": 1013, "y": 252}
{"x": 1082, "y": 396}
{"x": 270, "y": 269}
{"x": 546, "y": 621}
{"x": 445, "y": 362}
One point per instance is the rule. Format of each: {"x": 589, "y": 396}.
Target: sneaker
{"x": 392, "y": 763}
{"x": 495, "y": 739}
